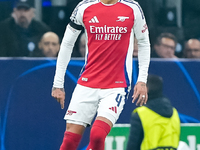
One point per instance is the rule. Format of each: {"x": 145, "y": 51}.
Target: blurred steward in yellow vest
{"x": 156, "y": 125}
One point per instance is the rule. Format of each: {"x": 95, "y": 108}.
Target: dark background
{"x": 155, "y": 12}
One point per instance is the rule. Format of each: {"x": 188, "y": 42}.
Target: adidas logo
{"x": 94, "y": 20}
{"x": 113, "y": 109}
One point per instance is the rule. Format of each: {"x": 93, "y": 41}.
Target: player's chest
{"x": 108, "y": 19}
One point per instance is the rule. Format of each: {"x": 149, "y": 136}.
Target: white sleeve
{"x": 64, "y": 55}
{"x": 142, "y": 36}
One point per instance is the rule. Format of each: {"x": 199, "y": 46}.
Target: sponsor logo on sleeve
{"x": 145, "y": 28}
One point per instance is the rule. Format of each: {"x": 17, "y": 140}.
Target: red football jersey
{"x": 110, "y": 31}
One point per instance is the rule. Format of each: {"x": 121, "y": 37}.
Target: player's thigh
{"x": 112, "y": 104}
{"x": 83, "y": 105}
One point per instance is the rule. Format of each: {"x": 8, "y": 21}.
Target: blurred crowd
{"x": 21, "y": 35}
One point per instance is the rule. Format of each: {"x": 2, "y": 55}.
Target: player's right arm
{"x": 64, "y": 56}
{"x": 71, "y": 34}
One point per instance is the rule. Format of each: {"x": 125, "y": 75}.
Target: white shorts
{"x": 86, "y": 102}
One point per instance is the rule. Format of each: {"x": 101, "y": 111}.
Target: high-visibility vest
{"x": 160, "y": 133}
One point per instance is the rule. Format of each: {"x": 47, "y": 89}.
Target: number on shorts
{"x": 118, "y": 99}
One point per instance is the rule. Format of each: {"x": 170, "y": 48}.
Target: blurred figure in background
{"x": 165, "y": 46}
{"x": 156, "y": 124}
{"x": 49, "y": 45}
{"x": 191, "y": 18}
{"x": 20, "y": 33}
{"x": 192, "y": 49}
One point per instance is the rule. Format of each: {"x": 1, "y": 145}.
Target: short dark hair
{"x": 154, "y": 86}
{"x": 165, "y": 35}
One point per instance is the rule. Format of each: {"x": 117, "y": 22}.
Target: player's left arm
{"x": 142, "y": 36}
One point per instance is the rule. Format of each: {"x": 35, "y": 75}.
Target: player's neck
{"x": 109, "y": 1}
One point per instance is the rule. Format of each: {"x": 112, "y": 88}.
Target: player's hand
{"x": 59, "y": 95}
{"x": 140, "y": 93}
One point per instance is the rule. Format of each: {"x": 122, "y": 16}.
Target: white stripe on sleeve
{"x": 142, "y": 35}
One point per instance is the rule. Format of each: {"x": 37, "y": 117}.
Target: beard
{"x": 23, "y": 22}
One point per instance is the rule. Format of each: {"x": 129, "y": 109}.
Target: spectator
{"x": 20, "y": 33}
{"x": 155, "y": 124}
{"x": 192, "y": 49}
{"x": 82, "y": 45}
{"x": 49, "y": 45}
{"x": 165, "y": 46}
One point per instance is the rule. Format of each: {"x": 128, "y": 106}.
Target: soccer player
{"x": 105, "y": 80}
